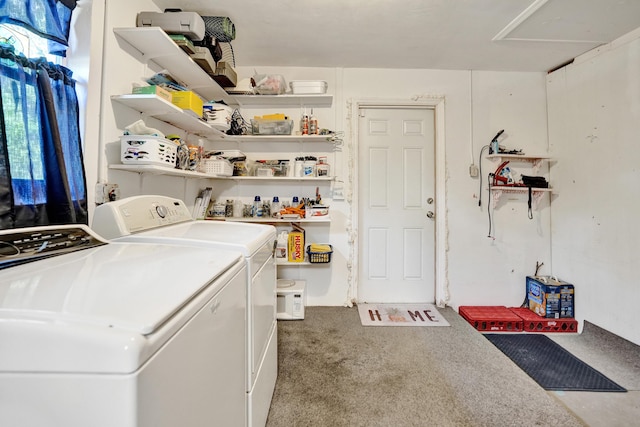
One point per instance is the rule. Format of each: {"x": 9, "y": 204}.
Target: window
{"x": 41, "y": 172}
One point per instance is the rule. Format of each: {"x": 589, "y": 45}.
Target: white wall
{"x": 594, "y": 132}
{"x": 480, "y": 270}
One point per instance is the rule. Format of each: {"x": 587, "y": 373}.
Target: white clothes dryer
{"x": 103, "y": 334}
{"x": 160, "y": 219}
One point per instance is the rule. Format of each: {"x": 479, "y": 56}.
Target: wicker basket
{"x": 319, "y": 257}
{"x": 217, "y": 166}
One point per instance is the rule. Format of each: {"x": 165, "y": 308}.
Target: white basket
{"x": 308, "y": 87}
{"x": 147, "y": 150}
{"x": 217, "y": 166}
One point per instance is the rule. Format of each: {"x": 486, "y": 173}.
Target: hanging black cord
{"x": 530, "y": 211}
{"x": 490, "y": 179}
{"x": 480, "y": 167}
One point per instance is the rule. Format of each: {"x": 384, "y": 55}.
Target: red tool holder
{"x": 491, "y": 318}
{"x": 533, "y": 322}
{"x": 498, "y": 318}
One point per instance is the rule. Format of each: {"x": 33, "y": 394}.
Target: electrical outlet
{"x": 473, "y": 171}
{"x": 107, "y": 193}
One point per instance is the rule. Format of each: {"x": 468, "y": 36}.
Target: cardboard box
{"x": 549, "y": 297}
{"x": 296, "y": 244}
{"x": 188, "y": 100}
{"x": 225, "y": 75}
{"x": 159, "y": 91}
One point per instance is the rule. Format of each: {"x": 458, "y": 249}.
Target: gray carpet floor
{"x": 334, "y": 372}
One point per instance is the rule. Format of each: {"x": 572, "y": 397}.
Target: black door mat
{"x": 550, "y": 365}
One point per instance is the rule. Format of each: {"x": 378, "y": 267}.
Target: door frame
{"x": 436, "y": 103}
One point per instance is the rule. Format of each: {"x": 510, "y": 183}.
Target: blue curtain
{"x": 42, "y": 178}
{"x": 47, "y": 18}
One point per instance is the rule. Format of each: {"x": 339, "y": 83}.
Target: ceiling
{"x": 499, "y": 35}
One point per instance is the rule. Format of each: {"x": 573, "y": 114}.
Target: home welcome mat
{"x": 400, "y": 315}
{"x": 550, "y": 365}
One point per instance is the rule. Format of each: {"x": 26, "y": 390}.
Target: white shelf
{"x": 161, "y": 170}
{"x": 523, "y": 157}
{"x": 158, "y": 48}
{"x": 284, "y": 263}
{"x": 509, "y": 189}
{"x": 284, "y": 221}
{"x": 278, "y": 178}
{"x": 250, "y": 101}
{"x": 165, "y": 111}
{"x": 281, "y": 138}
{"x": 536, "y": 160}
{"x": 536, "y": 193}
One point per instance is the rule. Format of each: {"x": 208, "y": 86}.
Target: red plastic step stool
{"x": 533, "y": 322}
{"x": 491, "y": 318}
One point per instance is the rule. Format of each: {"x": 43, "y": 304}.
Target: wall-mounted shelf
{"x": 284, "y": 263}
{"x": 157, "y": 47}
{"x": 156, "y": 107}
{"x": 161, "y": 170}
{"x": 279, "y": 178}
{"x": 536, "y": 193}
{"x": 281, "y": 138}
{"x": 258, "y": 101}
{"x": 536, "y": 160}
{"x": 281, "y": 221}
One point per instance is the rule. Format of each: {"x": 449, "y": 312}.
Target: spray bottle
{"x": 304, "y": 123}
{"x": 313, "y": 124}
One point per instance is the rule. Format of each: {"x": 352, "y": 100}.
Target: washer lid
{"x": 242, "y": 237}
{"x": 105, "y": 310}
{"x": 134, "y": 287}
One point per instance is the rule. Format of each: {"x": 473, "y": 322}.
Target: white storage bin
{"x": 218, "y": 115}
{"x": 147, "y": 150}
{"x": 217, "y": 166}
{"x": 308, "y": 87}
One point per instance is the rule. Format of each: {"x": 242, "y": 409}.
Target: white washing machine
{"x": 116, "y": 334}
{"x": 159, "y": 219}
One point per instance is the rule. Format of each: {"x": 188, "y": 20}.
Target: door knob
{"x": 430, "y": 214}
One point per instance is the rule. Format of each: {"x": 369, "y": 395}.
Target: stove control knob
{"x": 162, "y": 211}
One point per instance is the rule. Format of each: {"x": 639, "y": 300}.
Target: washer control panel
{"x": 138, "y": 213}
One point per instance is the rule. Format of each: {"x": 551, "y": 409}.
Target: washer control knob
{"x": 162, "y": 211}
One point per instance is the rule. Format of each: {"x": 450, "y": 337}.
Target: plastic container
{"x": 322, "y": 168}
{"x": 271, "y": 127}
{"x": 316, "y": 211}
{"x": 269, "y": 84}
{"x": 238, "y": 206}
{"x": 298, "y": 166}
{"x": 319, "y": 257}
{"x": 258, "y": 208}
{"x": 217, "y": 166}
{"x": 147, "y": 150}
{"x": 309, "y": 168}
{"x": 275, "y": 207}
{"x": 309, "y": 87}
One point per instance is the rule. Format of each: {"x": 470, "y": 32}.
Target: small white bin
{"x": 218, "y": 166}
{"x": 147, "y": 150}
{"x": 308, "y": 87}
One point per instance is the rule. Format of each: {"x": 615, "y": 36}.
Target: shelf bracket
{"x": 496, "y": 193}
{"x": 536, "y": 165}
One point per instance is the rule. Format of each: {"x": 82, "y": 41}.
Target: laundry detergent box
{"x": 549, "y": 297}
{"x": 295, "y": 247}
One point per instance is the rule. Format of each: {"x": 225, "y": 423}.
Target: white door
{"x": 396, "y": 194}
